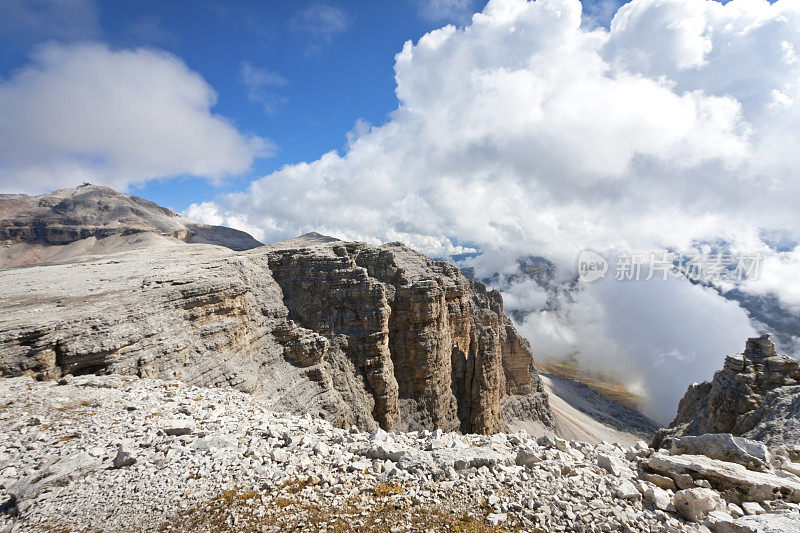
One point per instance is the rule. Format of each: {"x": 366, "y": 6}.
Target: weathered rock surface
{"x": 242, "y": 467}
{"x": 357, "y": 334}
{"x": 726, "y": 447}
{"x": 695, "y": 504}
{"x": 755, "y": 396}
{"x": 735, "y": 481}
{"x": 778, "y": 522}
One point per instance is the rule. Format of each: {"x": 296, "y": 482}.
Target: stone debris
{"x": 93, "y": 463}
{"x": 733, "y": 478}
{"x": 123, "y": 458}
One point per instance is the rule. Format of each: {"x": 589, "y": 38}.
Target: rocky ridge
{"x": 372, "y": 336}
{"x": 120, "y": 453}
{"x": 754, "y": 395}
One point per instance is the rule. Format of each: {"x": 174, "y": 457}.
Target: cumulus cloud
{"x": 530, "y": 132}
{"x": 209, "y": 213}
{"x": 663, "y": 334}
{"x": 85, "y": 112}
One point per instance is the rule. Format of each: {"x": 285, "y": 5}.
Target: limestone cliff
{"x": 755, "y": 395}
{"x": 357, "y": 334}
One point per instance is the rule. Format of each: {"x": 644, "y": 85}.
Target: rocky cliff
{"x": 357, "y": 334}
{"x": 756, "y": 395}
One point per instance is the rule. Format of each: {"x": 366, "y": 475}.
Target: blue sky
{"x": 315, "y": 68}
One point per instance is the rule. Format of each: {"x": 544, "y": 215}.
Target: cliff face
{"x": 357, "y": 334}
{"x": 434, "y": 349}
{"x": 754, "y": 395}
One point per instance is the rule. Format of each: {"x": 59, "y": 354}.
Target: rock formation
{"x": 754, "y": 395}
{"x": 357, "y": 334}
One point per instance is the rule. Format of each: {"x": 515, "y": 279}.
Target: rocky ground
{"x": 116, "y": 453}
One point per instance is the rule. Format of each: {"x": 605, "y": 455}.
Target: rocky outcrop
{"x": 357, "y": 334}
{"x": 90, "y": 211}
{"x": 754, "y": 395}
{"x": 733, "y": 480}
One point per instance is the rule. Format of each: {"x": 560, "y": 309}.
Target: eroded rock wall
{"x": 356, "y": 334}
{"x": 434, "y": 349}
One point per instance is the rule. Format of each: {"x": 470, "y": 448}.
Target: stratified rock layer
{"x": 357, "y": 334}
{"x": 434, "y": 349}
{"x": 754, "y": 395}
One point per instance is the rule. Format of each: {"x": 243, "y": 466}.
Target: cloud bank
{"x": 528, "y": 132}
{"x": 86, "y": 112}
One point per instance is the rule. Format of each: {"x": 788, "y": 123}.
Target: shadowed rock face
{"x": 357, "y": 334}
{"x": 755, "y": 395}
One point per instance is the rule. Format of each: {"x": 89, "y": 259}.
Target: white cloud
{"x": 528, "y": 132}
{"x": 208, "y": 213}
{"x": 86, "y": 112}
{"x": 779, "y": 274}
{"x": 260, "y": 84}
{"x": 656, "y": 336}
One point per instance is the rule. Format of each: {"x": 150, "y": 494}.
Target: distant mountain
{"x": 769, "y": 314}
{"x": 66, "y": 216}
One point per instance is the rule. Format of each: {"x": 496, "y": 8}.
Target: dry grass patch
{"x": 240, "y": 511}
